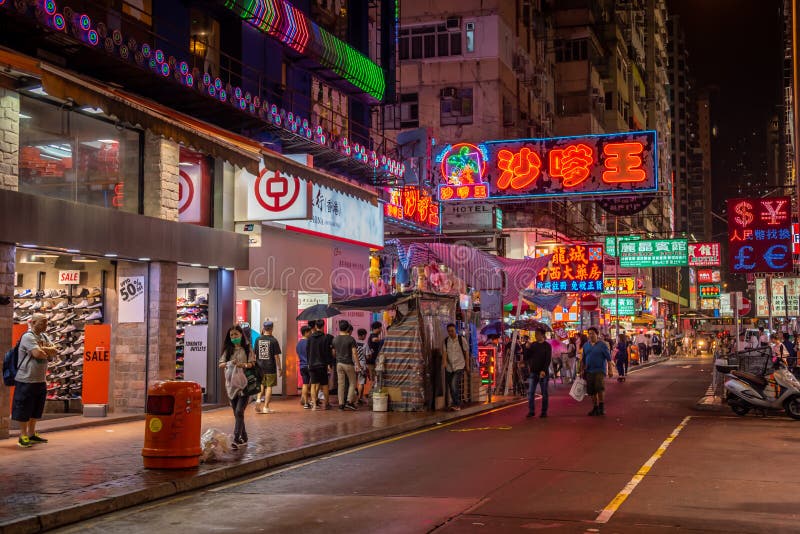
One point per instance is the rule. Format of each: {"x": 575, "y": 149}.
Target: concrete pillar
{"x": 163, "y": 292}
{"x": 161, "y": 177}
{"x": 9, "y": 139}
{"x": 7, "y": 258}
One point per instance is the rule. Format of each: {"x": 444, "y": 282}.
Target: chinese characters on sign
{"x": 654, "y": 253}
{"x": 588, "y": 165}
{"x": 412, "y": 205}
{"x": 781, "y": 288}
{"x": 573, "y": 268}
{"x": 627, "y": 305}
{"x": 611, "y": 243}
{"x": 486, "y": 360}
{"x": 627, "y": 285}
{"x": 759, "y": 235}
{"x": 708, "y": 276}
{"x": 704, "y": 254}
{"x": 710, "y": 291}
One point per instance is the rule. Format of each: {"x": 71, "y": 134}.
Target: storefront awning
{"x": 155, "y": 117}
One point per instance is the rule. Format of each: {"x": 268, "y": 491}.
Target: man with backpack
{"x": 455, "y": 353}
{"x": 30, "y": 389}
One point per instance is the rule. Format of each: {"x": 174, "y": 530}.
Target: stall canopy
{"x": 375, "y": 304}
{"x": 478, "y": 269}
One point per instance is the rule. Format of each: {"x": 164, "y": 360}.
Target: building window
{"x": 571, "y": 50}
{"x": 455, "y": 106}
{"x": 405, "y": 114}
{"x": 75, "y": 156}
{"x": 429, "y": 41}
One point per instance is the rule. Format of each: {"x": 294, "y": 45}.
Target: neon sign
{"x": 573, "y": 268}
{"x": 710, "y": 291}
{"x": 759, "y": 235}
{"x": 704, "y": 255}
{"x": 623, "y": 163}
{"x": 414, "y": 206}
{"x": 627, "y": 285}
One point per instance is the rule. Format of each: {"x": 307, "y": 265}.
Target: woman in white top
{"x": 236, "y": 353}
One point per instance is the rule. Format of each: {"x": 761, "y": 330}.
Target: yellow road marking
{"x": 617, "y": 501}
{"x": 480, "y": 428}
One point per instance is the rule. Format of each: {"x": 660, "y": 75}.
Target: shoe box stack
{"x": 67, "y": 315}
{"x": 190, "y": 312}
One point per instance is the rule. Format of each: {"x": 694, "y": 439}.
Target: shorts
{"x": 305, "y": 376}
{"x": 595, "y": 383}
{"x": 28, "y": 401}
{"x": 319, "y": 375}
{"x": 269, "y": 380}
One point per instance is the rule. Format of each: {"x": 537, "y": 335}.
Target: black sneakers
{"x": 36, "y": 438}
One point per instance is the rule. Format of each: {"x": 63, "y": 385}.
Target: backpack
{"x": 11, "y": 365}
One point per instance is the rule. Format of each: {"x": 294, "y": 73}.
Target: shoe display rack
{"x": 192, "y": 309}
{"x": 68, "y": 312}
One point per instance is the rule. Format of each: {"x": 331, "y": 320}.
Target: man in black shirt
{"x": 267, "y": 351}
{"x": 320, "y": 358}
{"x": 537, "y": 358}
{"x": 344, "y": 347}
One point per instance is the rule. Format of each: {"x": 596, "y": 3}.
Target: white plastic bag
{"x": 578, "y": 389}
{"x": 215, "y": 444}
{"x": 235, "y": 380}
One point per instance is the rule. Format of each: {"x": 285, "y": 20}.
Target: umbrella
{"x": 511, "y": 307}
{"x": 529, "y": 324}
{"x": 494, "y": 328}
{"x": 318, "y": 311}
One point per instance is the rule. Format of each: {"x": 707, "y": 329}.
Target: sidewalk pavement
{"x": 92, "y": 470}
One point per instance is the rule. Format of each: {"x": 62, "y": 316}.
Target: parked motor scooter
{"x": 748, "y": 391}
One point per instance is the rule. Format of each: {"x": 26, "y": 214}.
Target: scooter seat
{"x": 759, "y": 381}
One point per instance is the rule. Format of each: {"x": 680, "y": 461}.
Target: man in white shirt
{"x": 455, "y": 353}
{"x": 641, "y": 342}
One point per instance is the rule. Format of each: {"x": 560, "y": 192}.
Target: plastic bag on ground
{"x": 578, "y": 389}
{"x": 215, "y": 445}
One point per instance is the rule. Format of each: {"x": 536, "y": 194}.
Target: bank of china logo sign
{"x": 271, "y": 196}
{"x": 276, "y": 192}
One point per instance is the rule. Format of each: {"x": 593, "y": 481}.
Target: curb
{"x": 82, "y": 512}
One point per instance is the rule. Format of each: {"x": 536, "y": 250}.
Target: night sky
{"x": 736, "y": 46}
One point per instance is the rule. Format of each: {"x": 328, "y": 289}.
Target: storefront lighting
{"x": 229, "y": 269}
{"x": 91, "y": 110}
{"x": 194, "y": 265}
{"x": 32, "y": 259}
{"x": 110, "y": 255}
{"x": 38, "y": 90}
{"x": 108, "y": 141}
{"x": 47, "y": 255}
{"x": 23, "y": 116}
{"x": 83, "y": 259}
{"x": 213, "y": 266}
{"x": 73, "y": 251}
{"x": 144, "y": 259}
{"x": 26, "y": 245}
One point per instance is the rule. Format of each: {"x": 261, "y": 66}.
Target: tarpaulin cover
{"x": 404, "y": 364}
{"x": 478, "y": 269}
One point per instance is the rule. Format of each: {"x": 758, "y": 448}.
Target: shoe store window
{"x": 77, "y": 155}
{"x": 69, "y": 290}
{"x": 192, "y": 354}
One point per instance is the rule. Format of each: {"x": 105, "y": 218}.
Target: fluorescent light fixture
{"x": 38, "y": 90}
{"x": 93, "y": 111}
{"x": 47, "y": 255}
{"x": 229, "y": 269}
{"x": 241, "y": 288}
{"x": 23, "y": 116}
{"x": 194, "y": 265}
{"x": 83, "y": 259}
{"x": 73, "y": 251}
{"x": 213, "y": 266}
{"x": 109, "y": 141}
{"x": 32, "y": 259}
{"x": 110, "y": 255}
{"x": 144, "y": 259}
{"x": 185, "y": 164}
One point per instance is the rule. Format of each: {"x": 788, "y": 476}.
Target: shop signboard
{"x": 608, "y": 164}
{"x": 704, "y": 254}
{"x": 194, "y": 188}
{"x": 611, "y": 243}
{"x": 473, "y": 217}
{"x": 654, "y": 253}
{"x": 760, "y": 235}
{"x": 627, "y": 305}
{"x": 725, "y": 308}
{"x": 627, "y": 285}
{"x": 195, "y": 353}
{"x": 573, "y": 268}
{"x": 796, "y": 238}
{"x": 411, "y": 205}
{"x": 486, "y": 360}
{"x": 130, "y": 290}
{"x": 708, "y": 276}
{"x": 69, "y": 277}
{"x": 709, "y": 304}
{"x": 342, "y": 217}
{"x": 96, "y": 363}
{"x": 271, "y": 196}
{"x": 792, "y": 291}
{"x": 709, "y": 291}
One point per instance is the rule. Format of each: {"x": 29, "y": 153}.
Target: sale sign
{"x": 573, "y": 268}
{"x": 69, "y": 277}
{"x": 704, "y": 254}
{"x": 759, "y": 235}
{"x": 131, "y": 299}
{"x": 96, "y": 363}
{"x": 608, "y": 164}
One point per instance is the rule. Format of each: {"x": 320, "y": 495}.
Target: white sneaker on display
{"x": 67, "y": 329}
{"x": 94, "y": 316}
{"x": 61, "y": 305}
{"x": 82, "y": 304}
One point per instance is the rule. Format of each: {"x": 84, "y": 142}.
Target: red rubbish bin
{"x": 172, "y": 425}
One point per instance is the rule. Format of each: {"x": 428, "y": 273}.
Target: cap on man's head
{"x": 268, "y": 324}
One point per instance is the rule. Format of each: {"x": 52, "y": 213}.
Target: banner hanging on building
{"x": 759, "y": 235}
{"x": 608, "y": 164}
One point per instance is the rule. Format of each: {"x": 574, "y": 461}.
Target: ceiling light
{"x": 32, "y": 259}
{"x": 47, "y": 255}
{"x": 93, "y": 111}
{"x": 185, "y": 164}
{"x": 73, "y": 251}
{"x": 38, "y": 90}
{"x": 23, "y": 116}
{"x": 144, "y": 259}
{"x": 26, "y": 245}
{"x": 110, "y": 255}
{"x": 213, "y": 266}
{"x": 83, "y": 259}
{"x": 194, "y": 265}
{"x": 111, "y": 141}
{"x": 229, "y": 269}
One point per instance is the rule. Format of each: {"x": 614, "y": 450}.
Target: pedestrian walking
{"x": 362, "y": 349}
{"x": 641, "y": 343}
{"x": 302, "y": 359}
{"x": 621, "y": 357}
{"x": 596, "y": 359}
{"x": 374, "y": 346}
{"x": 572, "y": 356}
{"x": 344, "y": 348}
{"x": 30, "y": 383}
{"x": 455, "y": 351}
{"x": 237, "y": 356}
{"x": 538, "y": 356}
{"x": 268, "y": 350}
{"x": 320, "y": 358}
{"x": 790, "y": 350}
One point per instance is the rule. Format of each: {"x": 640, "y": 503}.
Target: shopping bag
{"x": 578, "y": 389}
{"x": 235, "y": 380}
{"x": 254, "y": 378}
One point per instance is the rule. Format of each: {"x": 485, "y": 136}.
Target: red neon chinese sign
{"x": 573, "y": 268}
{"x": 412, "y": 205}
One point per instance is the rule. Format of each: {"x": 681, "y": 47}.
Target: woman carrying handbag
{"x": 236, "y": 357}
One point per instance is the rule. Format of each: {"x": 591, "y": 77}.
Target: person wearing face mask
{"x": 236, "y": 352}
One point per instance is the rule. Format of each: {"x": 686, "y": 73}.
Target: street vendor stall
{"x": 411, "y": 359}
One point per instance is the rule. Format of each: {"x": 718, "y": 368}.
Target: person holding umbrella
{"x": 319, "y": 351}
